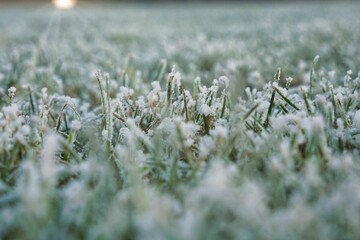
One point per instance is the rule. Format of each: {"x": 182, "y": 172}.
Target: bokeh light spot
{"x": 64, "y": 4}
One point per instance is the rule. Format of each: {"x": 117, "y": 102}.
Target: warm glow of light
{"x": 64, "y": 4}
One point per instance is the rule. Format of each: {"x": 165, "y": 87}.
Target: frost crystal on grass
{"x": 206, "y": 110}
{"x": 48, "y": 159}
{"x": 357, "y": 118}
{"x": 75, "y": 125}
{"x": 224, "y": 80}
{"x": 12, "y": 91}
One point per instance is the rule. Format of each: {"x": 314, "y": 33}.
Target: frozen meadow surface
{"x": 180, "y": 122}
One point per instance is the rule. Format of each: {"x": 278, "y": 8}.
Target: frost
{"x": 170, "y": 155}
{"x": 189, "y": 142}
{"x": 12, "y": 91}
{"x": 332, "y": 76}
{"x": 224, "y": 80}
{"x": 126, "y": 92}
{"x": 48, "y": 159}
{"x": 75, "y": 125}
{"x": 288, "y": 81}
{"x": 357, "y": 118}
{"x": 219, "y": 132}
{"x": 206, "y": 110}
{"x": 316, "y": 59}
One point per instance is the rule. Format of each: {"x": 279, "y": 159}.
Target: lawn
{"x": 169, "y": 121}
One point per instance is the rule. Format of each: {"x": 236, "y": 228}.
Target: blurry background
{"x": 243, "y": 40}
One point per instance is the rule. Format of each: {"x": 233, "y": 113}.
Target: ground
{"x": 232, "y": 121}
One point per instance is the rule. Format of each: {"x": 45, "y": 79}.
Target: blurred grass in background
{"x": 143, "y": 149}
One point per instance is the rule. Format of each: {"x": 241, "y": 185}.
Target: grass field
{"x": 230, "y": 121}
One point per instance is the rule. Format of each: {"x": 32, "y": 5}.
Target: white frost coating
{"x": 125, "y": 135}
{"x": 175, "y": 75}
{"x": 289, "y": 80}
{"x": 206, "y": 110}
{"x": 316, "y": 59}
{"x": 217, "y": 180}
{"x": 11, "y": 111}
{"x": 189, "y": 100}
{"x": 332, "y": 76}
{"x": 167, "y": 126}
{"x": 156, "y": 86}
{"x": 44, "y": 93}
{"x": 339, "y": 97}
{"x": 163, "y": 154}
{"x": 275, "y": 84}
{"x": 283, "y": 91}
{"x": 48, "y": 159}
{"x": 357, "y": 118}
{"x": 206, "y": 145}
{"x": 197, "y": 81}
{"x": 29, "y": 184}
{"x": 255, "y": 76}
{"x": 104, "y": 134}
{"x": 224, "y": 80}
{"x": 75, "y": 125}
{"x": 154, "y": 95}
{"x": 126, "y": 92}
{"x": 12, "y": 91}
{"x": 219, "y": 132}
{"x": 189, "y": 142}
{"x": 264, "y": 106}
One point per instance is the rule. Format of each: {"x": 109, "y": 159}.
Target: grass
{"x": 116, "y": 126}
